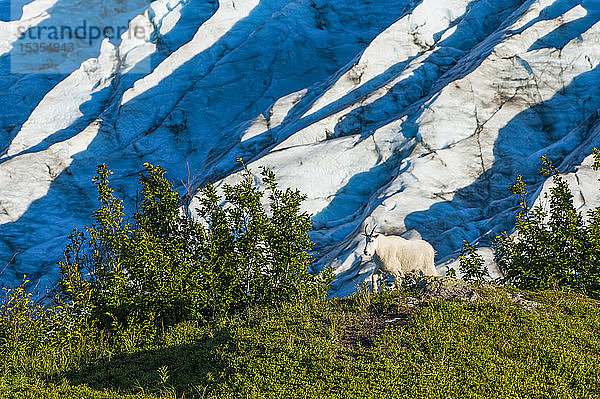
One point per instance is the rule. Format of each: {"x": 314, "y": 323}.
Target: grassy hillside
{"x": 164, "y": 305}
{"x": 542, "y": 345}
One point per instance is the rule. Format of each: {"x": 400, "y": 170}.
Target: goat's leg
{"x": 397, "y": 281}
{"x": 374, "y": 278}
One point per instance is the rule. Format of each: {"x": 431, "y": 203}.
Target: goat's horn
{"x": 366, "y": 227}
{"x": 372, "y": 231}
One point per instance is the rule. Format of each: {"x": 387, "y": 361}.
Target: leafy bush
{"x": 166, "y": 267}
{"x": 26, "y": 325}
{"x": 552, "y": 248}
{"x": 20, "y": 318}
{"x": 471, "y": 264}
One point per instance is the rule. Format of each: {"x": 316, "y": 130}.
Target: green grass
{"x": 491, "y": 348}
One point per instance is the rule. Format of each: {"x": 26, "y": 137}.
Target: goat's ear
{"x": 375, "y": 235}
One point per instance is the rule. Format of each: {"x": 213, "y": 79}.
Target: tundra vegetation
{"x": 553, "y": 246}
{"x": 227, "y": 306}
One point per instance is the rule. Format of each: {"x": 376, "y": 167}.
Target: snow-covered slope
{"x": 414, "y": 115}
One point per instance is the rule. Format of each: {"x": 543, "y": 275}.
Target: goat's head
{"x": 371, "y": 244}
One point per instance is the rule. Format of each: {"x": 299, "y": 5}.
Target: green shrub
{"x": 552, "y": 248}
{"x": 471, "y": 264}
{"x": 27, "y": 326}
{"x": 20, "y": 319}
{"x": 166, "y": 267}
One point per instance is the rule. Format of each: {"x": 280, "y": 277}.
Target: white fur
{"x": 398, "y": 256}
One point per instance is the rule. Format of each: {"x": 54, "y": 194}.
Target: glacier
{"x": 412, "y": 115}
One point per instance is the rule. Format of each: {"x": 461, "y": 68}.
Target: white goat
{"x": 397, "y": 256}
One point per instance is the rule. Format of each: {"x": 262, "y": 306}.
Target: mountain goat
{"x": 397, "y": 256}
